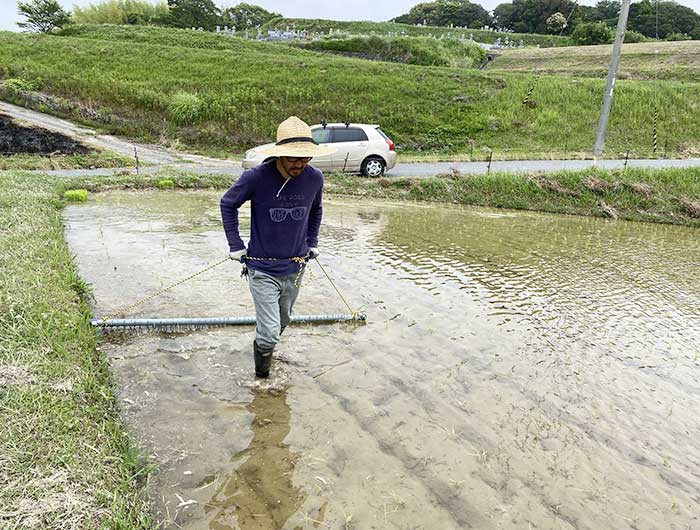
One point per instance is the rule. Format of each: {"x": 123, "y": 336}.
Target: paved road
{"x": 160, "y": 158}
{"x": 530, "y": 166}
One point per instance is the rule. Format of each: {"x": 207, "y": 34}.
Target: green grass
{"x": 383, "y": 29}
{"x": 171, "y": 37}
{"x": 669, "y": 196}
{"x": 409, "y": 50}
{"x": 675, "y": 61}
{"x": 66, "y": 460}
{"x": 90, "y": 160}
{"x": 131, "y": 78}
{"x": 659, "y": 196}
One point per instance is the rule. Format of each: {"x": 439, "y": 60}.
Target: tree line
{"x": 46, "y": 15}
{"x": 561, "y": 17}
{"x": 648, "y": 19}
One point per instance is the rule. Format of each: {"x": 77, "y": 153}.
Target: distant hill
{"x": 222, "y": 95}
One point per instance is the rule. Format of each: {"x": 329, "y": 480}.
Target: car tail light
{"x": 386, "y": 139}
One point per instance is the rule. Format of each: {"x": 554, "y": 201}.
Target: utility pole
{"x": 610, "y": 84}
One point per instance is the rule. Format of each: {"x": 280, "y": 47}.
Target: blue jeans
{"x": 274, "y": 297}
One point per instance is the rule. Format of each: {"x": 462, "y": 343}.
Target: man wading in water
{"x": 285, "y": 196}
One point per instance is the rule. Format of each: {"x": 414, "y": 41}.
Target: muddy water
{"x": 518, "y": 370}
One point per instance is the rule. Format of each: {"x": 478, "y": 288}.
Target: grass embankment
{"x": 66, "y": 462}
{"x": 221, "y": 95}
{"x": 661, "y": 196}
{"x": 658, "y": 196}
{"x": 675, "y": 61}
{"x": 50, "y": 162}
{"x": 386, "y": 28}
{"x": 408, "y": 50}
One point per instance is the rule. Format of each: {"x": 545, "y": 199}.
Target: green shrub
{"x": 632, "y": 37}
{"x": 590, "y": 33}
{"x": 166, "y": 184}
{"x": 678, "y": 36}
{"x": 186, "y": 108}
{"x": 15, "y": 85}
{"x": 75, "y": 195}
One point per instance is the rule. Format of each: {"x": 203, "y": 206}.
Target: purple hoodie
{"x": 284, "y": 221}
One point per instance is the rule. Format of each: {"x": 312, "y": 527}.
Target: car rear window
{"x": 321, "y": 135}
{"x": 349, "y": 134}
{"x": 382, "y": 133}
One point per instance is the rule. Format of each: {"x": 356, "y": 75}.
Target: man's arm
{"x": 315, "y": 215}
{"x": 233, "y": 199}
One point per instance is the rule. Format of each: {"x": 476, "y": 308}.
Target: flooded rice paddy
{"x": 518, "y": 371}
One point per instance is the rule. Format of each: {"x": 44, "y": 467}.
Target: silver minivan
{"x": 360, "y": 148}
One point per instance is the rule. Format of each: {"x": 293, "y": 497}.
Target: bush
{"x": 678, "y": 36}
{"x": 15, "y": 85}
{"x": 75, "y": 195}
{"x": 632, "y": 36}
{"x": 186, "y": 108}
{"x": 590, "y": 33}
{"x": 166, "y": 184}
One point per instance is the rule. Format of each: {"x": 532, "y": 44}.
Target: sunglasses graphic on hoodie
{"x": 280, "y": 214}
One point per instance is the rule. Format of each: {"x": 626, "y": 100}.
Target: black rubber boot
{"x": 282, "y": 328}
{"x": 263, "y": 360}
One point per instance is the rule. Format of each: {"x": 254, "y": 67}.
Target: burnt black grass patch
{"x": 16, "y": 139}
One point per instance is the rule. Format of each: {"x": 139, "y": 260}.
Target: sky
{"x": 330, "y": 9}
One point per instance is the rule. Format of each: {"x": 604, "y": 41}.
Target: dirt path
{"x": 147, "y": 153}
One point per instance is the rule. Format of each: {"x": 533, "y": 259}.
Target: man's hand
{"x": 238, "y": 255}
{"x": 313, "y": 253}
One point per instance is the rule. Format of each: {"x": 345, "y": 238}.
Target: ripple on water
{"x": 517, "y": 370}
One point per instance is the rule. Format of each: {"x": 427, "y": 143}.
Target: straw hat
{"x": 294, "y": 139}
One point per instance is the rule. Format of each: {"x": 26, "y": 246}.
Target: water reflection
{"x": 259, "y": 494}
{"x": 609, "y": 284}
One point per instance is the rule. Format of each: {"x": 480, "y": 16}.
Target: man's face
{"x": 293, "y": 165}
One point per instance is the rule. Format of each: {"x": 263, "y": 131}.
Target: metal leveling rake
{"x": 111, "y": 323}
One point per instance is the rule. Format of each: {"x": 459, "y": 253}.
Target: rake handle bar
{"x": 215, "y": 321}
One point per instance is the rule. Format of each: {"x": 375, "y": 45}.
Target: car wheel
{"x": 373, "y": 167}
